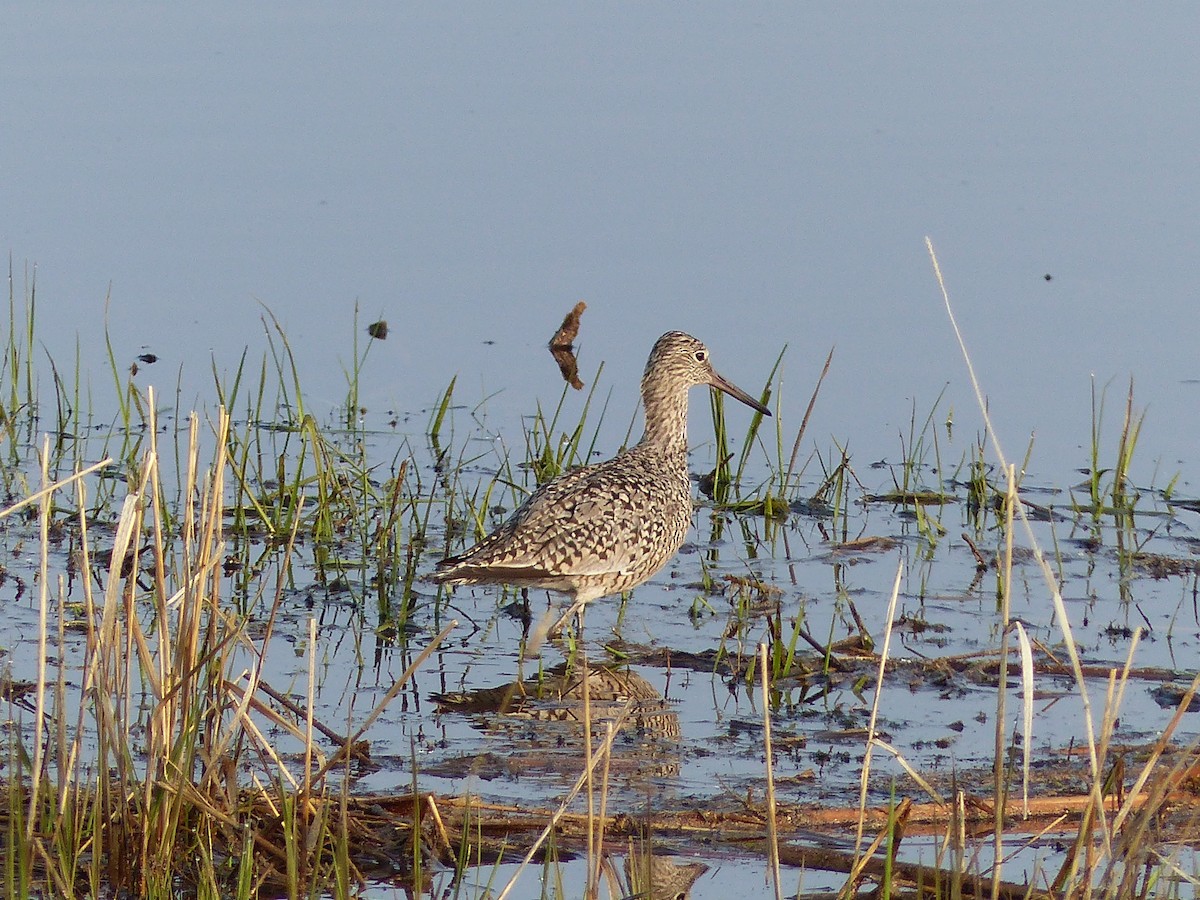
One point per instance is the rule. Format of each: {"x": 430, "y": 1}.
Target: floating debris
{"x": 562, "y": 346}
{"x": 869, "y": 544}
{"x": 1172, "y": 696}
{"x": 652, "y": 875}
{"x": 1159, "y": 565}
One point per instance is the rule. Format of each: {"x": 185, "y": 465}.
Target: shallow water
{"x": 692, "y": 646}
{"x": 761, "y": 182}
{"x": 470, "y": 174}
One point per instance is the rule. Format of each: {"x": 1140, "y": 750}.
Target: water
{"x": 468, "y": 174}
{"x": 759, "y": 180}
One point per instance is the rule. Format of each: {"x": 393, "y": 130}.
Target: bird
{"x": 604, "y": 528}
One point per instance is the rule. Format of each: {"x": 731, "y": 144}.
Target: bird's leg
{"x": 526, "y": 615}
{"x": 576, "y": 608}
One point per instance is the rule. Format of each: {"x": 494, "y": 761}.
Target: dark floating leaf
{"x": 569, "y": 329}
{"x": 562, "y": 346}
{"x": 568, "y": 366}
{"x": 378, "y": 330}
{"x": 148, "y": 358}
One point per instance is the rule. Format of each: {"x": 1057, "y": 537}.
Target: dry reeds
{"x": 164, "y": 775}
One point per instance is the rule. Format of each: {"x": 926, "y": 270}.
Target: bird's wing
{"x": 589, "y": 524}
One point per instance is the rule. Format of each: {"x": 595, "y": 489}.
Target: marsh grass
{"x": 1105, "y": 860}
{"x": 1110, "y": 491}
{"x": 18, "y": 388}
{"x": 142, "y": 787}
{"x": 167, "y": 764}
{"x": 18, "y": 385}
{"x": 165, "y": 776}
{"x": 352, "y": 407}
{"x": 362, "y": 527}
{"x": 724, "y": 483}
{"x": 550, "y": 448}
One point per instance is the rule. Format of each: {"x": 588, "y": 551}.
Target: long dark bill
{"x": 734, "y": 391}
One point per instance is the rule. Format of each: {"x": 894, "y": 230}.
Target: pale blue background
{"x": 756, "y": 175}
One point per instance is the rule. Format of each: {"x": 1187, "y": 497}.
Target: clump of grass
{"x": 550, "y": 449}
{"x": 724, "y": 479}
{"x": 296, "y": 477}
{"x": 980, "y": 490}
{"x": 915, "y": 451}
{"x": 18, "y": 387}
{"x": 833, "y": 495}
{"x": 353, "y": 410}
{"x": 144, "y": 796}
{"x": 438, "y": 419}
{"x": 1109, "y": 488}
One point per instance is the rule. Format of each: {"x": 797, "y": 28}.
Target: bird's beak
{"x": 734, "y": 391}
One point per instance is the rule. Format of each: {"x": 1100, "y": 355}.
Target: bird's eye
{"x": 701, "y": 355}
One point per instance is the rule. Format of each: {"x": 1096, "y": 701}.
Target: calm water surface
{"x": 761, "y": 179}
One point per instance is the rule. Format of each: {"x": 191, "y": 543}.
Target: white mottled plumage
{"x": 605, "y": 528}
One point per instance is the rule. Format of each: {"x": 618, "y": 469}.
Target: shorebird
{"x": 607, "y": 527}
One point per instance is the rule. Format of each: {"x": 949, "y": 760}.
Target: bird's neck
{"x": 666, "y": 422}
